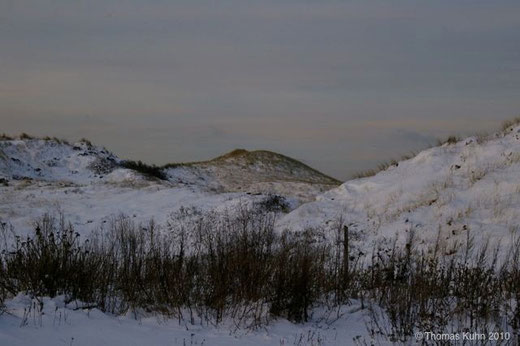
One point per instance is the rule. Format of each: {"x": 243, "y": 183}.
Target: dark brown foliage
{"x": 147, "y": 170}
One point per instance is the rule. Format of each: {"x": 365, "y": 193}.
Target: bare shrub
{"x": 205, "y": 267}
{"x": 220, "y": 266}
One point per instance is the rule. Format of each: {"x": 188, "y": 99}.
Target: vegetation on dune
{"x": 147, "y": 170}
{"x": 232, "y": 154}
{"x": 394, "y": 163}
{"x": 508, "y": 124}
{"x": 267, "y": 156}
{"x": 382, "y": 167}
{"x": 480, "y": 137}
{"x": 87, "y": 142}
{"x": 25, "y": 136}
{"x": 449, "y": 141}
{"x": 4, "y": 137}
{"x": 283, "y": 164}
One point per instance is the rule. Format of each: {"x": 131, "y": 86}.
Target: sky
{"x": 340, "y": 85}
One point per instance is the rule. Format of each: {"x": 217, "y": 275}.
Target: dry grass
{"x": 449, "y": 141}
{"x": 508, "y": 125}
{"x": 240, "y": 268}
{"x": 481, "y": 137}
{"x": 86, "y": 142}
{"x": 249, "y": 158}
{"x": 383, "y": 166}
{"x": 4, "y": 137}
{"x": 25, "y": 136}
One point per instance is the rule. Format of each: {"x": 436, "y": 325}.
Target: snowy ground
{"x": 90, "y": 206}
{"x": 24, "y": 323}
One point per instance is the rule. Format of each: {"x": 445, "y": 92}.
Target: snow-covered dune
{"x": 471, "y": 187}
{"x": 53, "y": 160}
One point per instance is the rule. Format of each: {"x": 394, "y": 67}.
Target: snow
{"x": 465, "y": 189}
{"x": 89, "y": 207}
{"x": 52, "y": 160}
{"x": 58, "y": 323}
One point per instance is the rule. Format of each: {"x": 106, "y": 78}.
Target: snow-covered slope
{"x": 54, "y": 160}
{"x": 467, "y": 189}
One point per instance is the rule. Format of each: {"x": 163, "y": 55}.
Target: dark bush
{"x": 24, "y": 135}
{"x": 4, "y": 137}
{"x": 450, "y": 140}
{"x": 147, "y": 170}
{"x": 274, "y": 203}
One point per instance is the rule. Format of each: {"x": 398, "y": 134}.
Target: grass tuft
{"x": 4, "y": 137}
{"x": 509, "y": 124}
{"x": 25, "y": 136}
{"x": 86, "y": 142}
{"x": 383, "y": 167}
{"x": 449, "y": 141}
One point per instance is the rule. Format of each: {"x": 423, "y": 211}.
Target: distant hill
{"x": 257, "y": 171}
{"x": 251, "y": 172}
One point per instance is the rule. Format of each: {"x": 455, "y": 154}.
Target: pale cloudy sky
{"x": 340, "y": 85}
